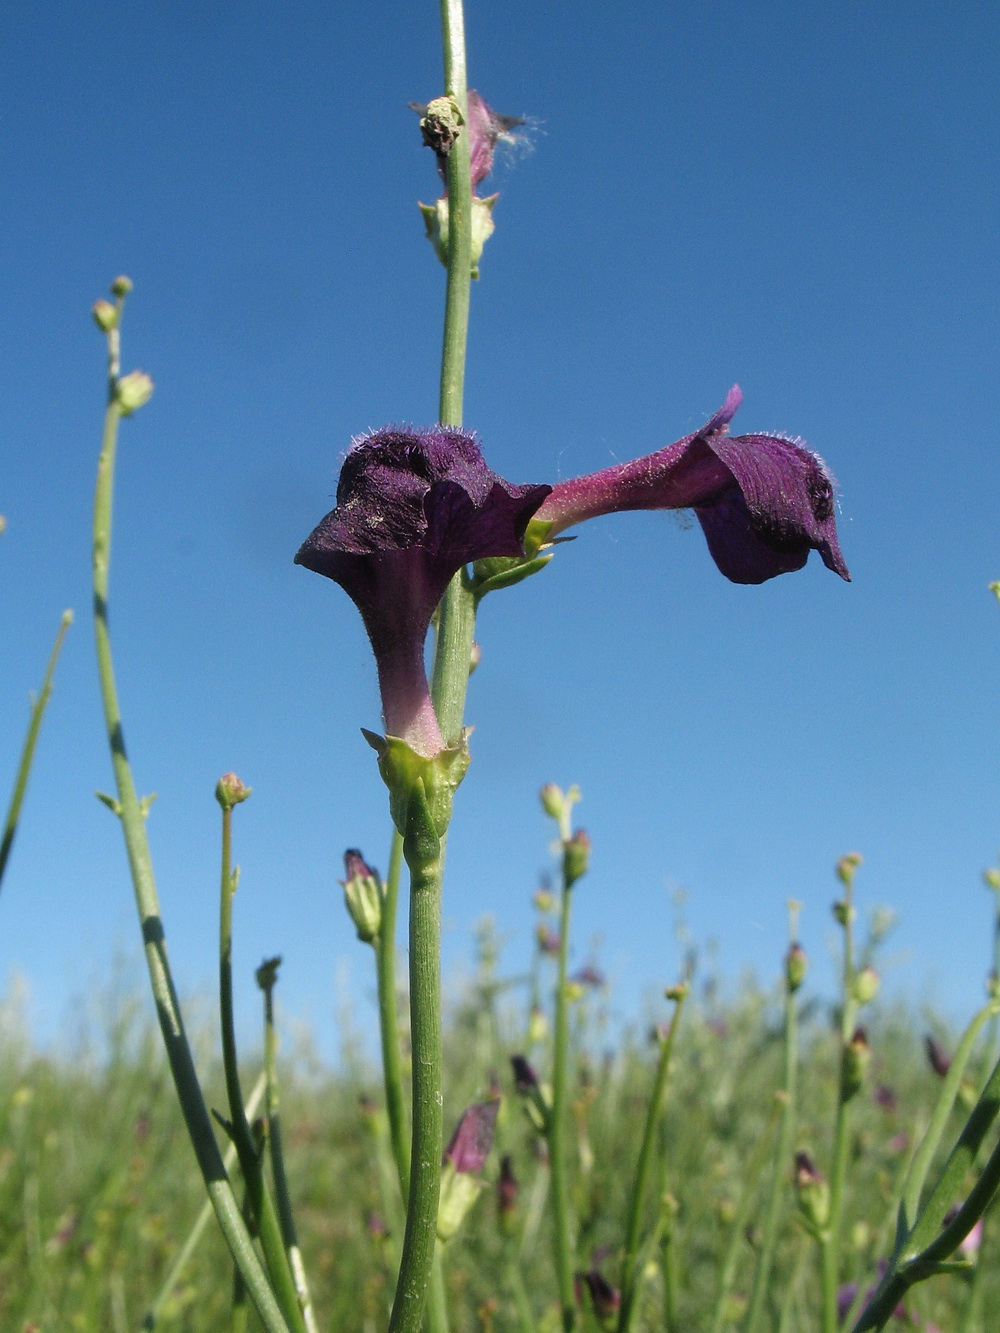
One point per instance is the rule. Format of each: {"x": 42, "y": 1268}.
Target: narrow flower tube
{"x": 763, "y": 501}
{"x": 413, "y": 507}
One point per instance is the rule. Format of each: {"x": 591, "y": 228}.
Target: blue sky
{"x": 797, "y": 198}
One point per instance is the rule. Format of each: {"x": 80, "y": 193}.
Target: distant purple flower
{"x": 763, "y": 501}
{"x": 473, "y": 1138}
{"x": 605, "y": 1298}
{"x": 589, "y": 975}
{"x": 413, "y": 507}
{"x": 525, "y": 1078}
{"x": 937, "y": 1056}
{"x": 847, "y": 1294}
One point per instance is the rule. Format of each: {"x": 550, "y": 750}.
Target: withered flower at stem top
{"x": 763, "y": 501}
{"x": 413, "y": 507}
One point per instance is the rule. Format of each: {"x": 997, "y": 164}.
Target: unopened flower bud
{"x": 812, "y": 1192}
{"x": 132, "y": 391}
{"x": 605, "y": 1298}
{"x": 866, "y": 985}
{"x": 991, "y": 878}
{"x": 475, "y": 657}
{"x": 676, "y": 993}
{"x": 463, "y": 1160}
{"x": 121, "y": 285}
{"x": 576, "y": 857}
{"x": 507, "y": 1191}
{"x": 937, "y": 1056}
{"x": 267, "y": 973}
{"x": 552, "y": 800}
{"x": 796, "y": 966}
{"x": 548, "y": 940}
{"x": 847, "y": 867}
{"x": 230, "y": 791}
{"x": 362, "y": 896}
{"x": 545, "y": 901}
{"x": 105, "y": 315}
{"x": 854, "y": 1064}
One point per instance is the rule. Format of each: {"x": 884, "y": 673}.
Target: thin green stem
{"x": 950, "y": 1086}
{"x": 426, "y": 1144}
{"x": 183, "y": 1256}
{"x": 131, "y": 814}
{"x": 276, "y": 1154}
{"x": 565, "y": 1247}
{"x": 28, "y": 749}
{"x": 782, "y": 1160}
{"x": 831, "y": 1236}
{"x": 628, "y": 1283}
{"x": 388, "y": 1017}
{"x": 268, "y": 1226}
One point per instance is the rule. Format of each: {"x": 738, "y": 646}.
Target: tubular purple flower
{"x": 413, "y": 507}
{"x": 763, "y": 501}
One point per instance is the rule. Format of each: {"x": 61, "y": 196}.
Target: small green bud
{"x": 363, "y": 896}
{"x": 121, "y": 285}
{"x": 546, "y": 901}
{"x": 991, "y": 878}
{"x": 866, "y": 985}
{"x": 676, "y": 993}
{"x": 230, "y": 791}
{"x": 847, "y": 867}
{"x": 267, "y": 973}
{"x": 843, "y": 912}
{"x": 105, "y": 315}
{"x": 796, "y": 967}
{"x": 538, "y": 1027}
{"x": 133, "y": 391}
{"x": 475, "y": 657}
{"x": 812, "y": 1193}
{"x": 854, "y": 1064}
{"x": 576, "y": 857}
{"x": 993, "y": 986}
{"x": 553, "y": 801}
{"x": 574, "y": 991}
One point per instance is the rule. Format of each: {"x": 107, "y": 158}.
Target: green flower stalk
{"x": 131, "y": 813}
{"x": 38, "y": 708}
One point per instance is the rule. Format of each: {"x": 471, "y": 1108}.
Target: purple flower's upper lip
{"x": 763, "y": 501}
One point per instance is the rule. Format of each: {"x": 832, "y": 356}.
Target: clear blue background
{"x": 800, "y": 198}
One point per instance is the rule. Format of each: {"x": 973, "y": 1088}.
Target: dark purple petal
{"x": 473, "y": 1138}
{"x": 412, "y": 508}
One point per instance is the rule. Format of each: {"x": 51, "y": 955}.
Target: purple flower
{"x": 485, "y": 129}
{"x": 413, "y": 507}
{"x": 763, "y": 501}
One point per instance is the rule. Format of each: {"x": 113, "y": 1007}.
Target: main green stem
{"x": 448, "y": 687}
{"x": 132, "y": 817}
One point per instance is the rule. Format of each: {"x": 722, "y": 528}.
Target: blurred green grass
{"x": 98, "y": 1186}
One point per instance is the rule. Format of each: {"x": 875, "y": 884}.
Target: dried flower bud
{"x": 105, "y": 315}
{"x": 847, "y": 868}
{"x": 362, "y": 896}
{"x": 866, "y": 985}
{"x": 230, "y": 791}
{"x": 937, "y": 1056}
{"x": 796, "y": 966}
{"x": 133, "y": 391}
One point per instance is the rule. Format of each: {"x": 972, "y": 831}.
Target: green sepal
{"x": 114, "y": 806}
{"x": 459, "y": 1191}
{"x": 502, "y": 571}
{"x": 145, "y": 804}
{"x": 436, "y": 225}
{"x": 421, "y": 792}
